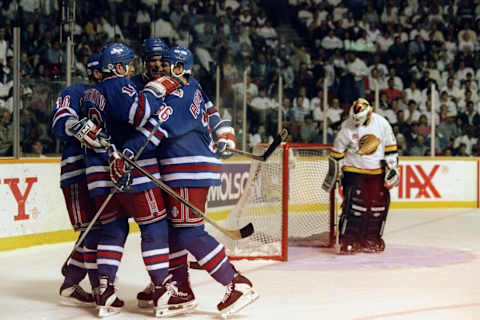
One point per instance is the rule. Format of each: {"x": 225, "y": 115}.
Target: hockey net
{"x": 284, "y": 201}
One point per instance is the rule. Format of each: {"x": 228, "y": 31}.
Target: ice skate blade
{"x": 145, "y": 304}
{"x": 247, "y": 298}
{"x": 169, "y": 311}
{"x": 107, "y": 311}
{"x": 72, "y": 302}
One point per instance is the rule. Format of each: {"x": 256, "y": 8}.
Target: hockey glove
{"x": 225, "y": 139}
{"x": 162, "y": 86}
{"x": 392, "y": 177}
{"x": 87, "y": 132}
{"x": 120, "y": 172}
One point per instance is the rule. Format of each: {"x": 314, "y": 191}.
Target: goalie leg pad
{"x": 352, "y": 220}
{"x": 375, "y": 223}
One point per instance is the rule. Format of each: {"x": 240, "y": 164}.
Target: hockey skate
{"x": 240, "y": 293}
{"x": 107, "y": 302}
{"x": 373, "y": 245}
{"x": 168, "y": 301}
{"x": 145, "y": 299}
{"x": 74, "y": 295}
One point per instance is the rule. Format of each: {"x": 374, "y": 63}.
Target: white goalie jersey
{"x": 361, "y": 149}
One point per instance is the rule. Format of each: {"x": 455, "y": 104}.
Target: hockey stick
{"x": 271, "y": 148}
{"x": 238, "y": 234}
{"x": 104, "y": 204}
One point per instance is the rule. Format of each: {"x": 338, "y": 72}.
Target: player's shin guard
{"x": 155, "y": 250}
{"x": 110, "y": 247}
{"x": 209, "y": 253}
{"x": 90, "y": 256}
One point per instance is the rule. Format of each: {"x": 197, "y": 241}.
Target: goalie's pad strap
{"x": 332, "y": 175}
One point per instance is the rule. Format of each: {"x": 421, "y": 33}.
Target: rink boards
{"x": 33, "y": 209}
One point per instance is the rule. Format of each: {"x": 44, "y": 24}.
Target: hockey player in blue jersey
{"x": 188, "y": 153}
{"x": 71, "y": 126}
{"x": 116, "y": 106}
{"x": 154, "y": 51}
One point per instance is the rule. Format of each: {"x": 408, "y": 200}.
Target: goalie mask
{"x": 360, "y": 111}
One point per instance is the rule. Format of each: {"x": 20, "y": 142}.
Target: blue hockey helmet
{"x": 93, "y": 62}
{"x": 115, "y": 53}
{"x": 180, "y": 55}
{"x": 154, "y": 47}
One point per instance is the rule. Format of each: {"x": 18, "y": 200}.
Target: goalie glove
{"x": 225, "y": 139}
{"x": 87, "y": 132}
{"x": 392, "y": 176}
{"x": 120, "y": 172}
{"x": 162, "y": 86}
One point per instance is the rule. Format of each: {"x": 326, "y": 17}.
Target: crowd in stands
{"x": 402, "y": 46}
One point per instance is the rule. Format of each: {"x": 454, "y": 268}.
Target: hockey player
{"x": 154, "y": 50}
{"x": 188, "y": 156}
{"x": 73, "y": 128}
{"x": 365, "y": 150}
{"x": 116, "y": 106}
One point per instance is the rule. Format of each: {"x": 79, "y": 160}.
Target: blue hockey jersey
{"x": 184, "y": 143}
{"x": 116, "y": 106}
{"x": 68, "y": 106}
{"x": 140, "y": 80}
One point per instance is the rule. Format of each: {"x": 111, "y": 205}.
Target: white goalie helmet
{"x": 360, "y": 111}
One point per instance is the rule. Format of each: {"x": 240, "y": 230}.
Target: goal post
{"x": 284, "y": 200}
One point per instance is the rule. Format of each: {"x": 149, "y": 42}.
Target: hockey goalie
{"x": 364, "y": 159}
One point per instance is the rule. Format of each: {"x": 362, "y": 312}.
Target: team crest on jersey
{"x": 368, "y": 144}
{"x": 174, "y": 212}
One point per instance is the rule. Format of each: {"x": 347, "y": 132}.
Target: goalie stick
{"x": 238, "y": 234}
{"x": 104, "y": 204}
{"x": 271, "y": 148}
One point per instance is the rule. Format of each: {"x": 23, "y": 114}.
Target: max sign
{"x": 416, "y": 182}
{"x": 20, "y": 197}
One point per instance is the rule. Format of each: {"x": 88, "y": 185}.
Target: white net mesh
{"x": 261, "y": 204}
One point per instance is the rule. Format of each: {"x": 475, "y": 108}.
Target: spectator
{"x": 420, "y": 148}
{"x": 471, "y": 116}
{"x": 448, "y": 128}
{"x": 413, "y": 93}
{"x": 260, "y": 108}
{"x": 397, "y": 50}
{"x": 308, "y": 129}
{"x": 111, "y": 28}
{"x": 453, "y": 91}
{"x": 423, "y": 127}
{"x": 6, "y": 133}
{"x": 162, "y": 28}
{"x": 412, "y": 114}
{"x": 299, "y": 111}
{"x": 468, "y": 139}
{"x": 392, "y": 92}
{"x": 359, "y": 70}
{"x": 37, "y": 149}
{"x": 4, "y": 47}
